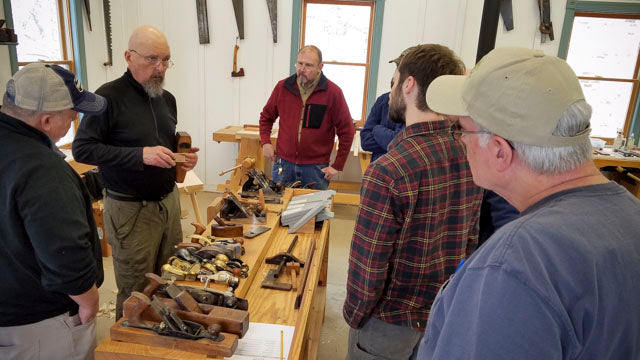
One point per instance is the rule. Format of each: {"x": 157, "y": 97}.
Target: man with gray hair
{"x": 50, "y": 255}
{"x": 562, "y": 281}
{"x": 133, "y": 143}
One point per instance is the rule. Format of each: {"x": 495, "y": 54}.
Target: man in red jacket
{"x": 312, "y": 110}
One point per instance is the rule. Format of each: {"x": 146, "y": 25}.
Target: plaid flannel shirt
{"x": 418, "y": 217}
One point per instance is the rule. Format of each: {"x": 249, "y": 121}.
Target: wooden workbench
{"x": 265, "y": 305}
{"x": 248, "y": 140}
{"x": 616, "y": 160}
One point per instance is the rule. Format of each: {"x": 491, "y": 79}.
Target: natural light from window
{"x": 37, "y": 23}
{"x": 342, "y": 34}
{"x": 608, "y": 67}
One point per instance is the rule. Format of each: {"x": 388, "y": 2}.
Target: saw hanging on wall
{"x": 203, "y": 21}
{"x": 238, "y": 10}
{"x": 546, "y": 27}
{"x": 272, "y": 6}
{"x": 107, "y": 31}
{"x": 87, "y": 8}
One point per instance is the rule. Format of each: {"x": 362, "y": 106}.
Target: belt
{"x": 122, "y": 197}
{"x": 130, "y": 198}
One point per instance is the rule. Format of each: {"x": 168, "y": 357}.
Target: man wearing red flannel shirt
{"x": 312, "y": 110}
{"x": 418, "y": 218}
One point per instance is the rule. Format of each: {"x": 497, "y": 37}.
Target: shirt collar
{"x": 421, "y": 129}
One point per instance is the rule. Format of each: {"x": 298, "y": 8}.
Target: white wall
{"x": 456, "y": 24}
{"x": 209, "y": 98}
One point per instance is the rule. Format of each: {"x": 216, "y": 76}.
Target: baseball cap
{"x": 516, "y": 93}
{"x": 45, "y": 87}
{"x": 402, "y": 54}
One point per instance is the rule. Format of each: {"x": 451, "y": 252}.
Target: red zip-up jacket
{"x": 325, "y": 114}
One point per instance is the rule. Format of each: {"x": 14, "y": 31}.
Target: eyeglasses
{"x": 304, "y": 66}
{"x": 154, "y": 60}
{"x": 457, "y": 130}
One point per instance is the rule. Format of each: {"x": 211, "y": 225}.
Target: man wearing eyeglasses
{"x": 133, "y": 144}
{"x": 417, "y": 220}
{"x": 562, "y": 280}
{"x": 312, "y": 111}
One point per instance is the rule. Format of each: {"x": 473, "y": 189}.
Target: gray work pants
{"x": 378, "y": 339}
{"x": 61, "y": 337}
{"x": 143, "y": 235}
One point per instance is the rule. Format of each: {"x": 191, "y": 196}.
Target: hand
{"x": 268, "y": 152}
{"x": 87, "y": 314}
{"x": 158, "y": 156}
{"x": 191, "y": 159}
{"x": 329, "y": 172}
{"x": 88, "y": 303}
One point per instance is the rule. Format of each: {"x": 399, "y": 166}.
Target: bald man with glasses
{"x": 133, "y": 144}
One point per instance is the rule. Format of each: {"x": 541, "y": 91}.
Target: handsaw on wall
{"x": 203, "y": 21}
{"x": 238, "y": 10}
{"x": 87, "y": 8}
{"x": 107, "y": 30}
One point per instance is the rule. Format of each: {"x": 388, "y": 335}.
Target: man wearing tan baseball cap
{"x": 49, "y": 250}
{"x": 562, "y": 281}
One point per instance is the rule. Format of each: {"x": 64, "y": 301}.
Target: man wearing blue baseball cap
{"x": 49, "y": 250}
{"x": 562, "y": 280}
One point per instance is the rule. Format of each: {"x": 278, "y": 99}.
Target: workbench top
{"x": 265, "y": 305}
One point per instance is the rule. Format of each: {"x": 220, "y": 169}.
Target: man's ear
{"x": 127, "y": 57}
{"x": 44, "y": 123}
{"x": 502, "y": 152}
{"x": 320, "y": 66}
{"x": 408, "y": 85}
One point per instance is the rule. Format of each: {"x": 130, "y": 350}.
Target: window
{"x": 343, "y": 32}
{"x": 603, "y": 49}
{"x": 44, "y": 34}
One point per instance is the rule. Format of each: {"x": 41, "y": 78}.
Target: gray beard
{"x": 153, "y": 87}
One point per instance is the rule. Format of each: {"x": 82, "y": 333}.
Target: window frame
{"x": 608, "y": 10}
{"x": 373, "y": 52}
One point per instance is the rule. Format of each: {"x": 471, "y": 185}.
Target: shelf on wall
{"x": 8, "y": 43}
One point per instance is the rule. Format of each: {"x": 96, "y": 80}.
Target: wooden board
{"x": 611, "y": 160}
{"x": 225, "y": 347}
{"x": 81, "y": 168}
{"x": 117, "y": 350}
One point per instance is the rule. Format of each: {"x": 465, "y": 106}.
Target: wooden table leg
{"x": 194, "y": 202}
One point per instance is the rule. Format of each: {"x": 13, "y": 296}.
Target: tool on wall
{"x": 7, "y": 35}
{"x": 272, "y": 5}
{"x": 106, "y": 6}
{"x": 87, "y": 8}
{"x": 546, "y": 27}
{"x": 203, "y": 21}
{"x": 488, "y": 28}
{"x": 235, "y": 72}
{"x": 506, "y": 11}
{"x": 238, "y": 10}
